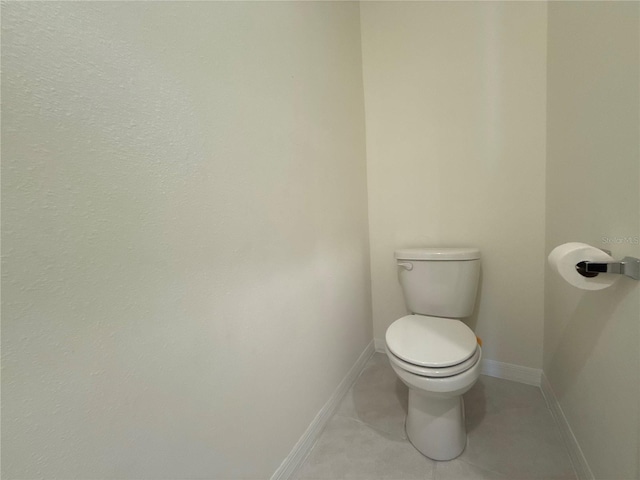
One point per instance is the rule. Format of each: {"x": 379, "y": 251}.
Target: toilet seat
{"x": 436, "y": 372}
{"x": 432, "y": 346}
{"x": 433, "y": 342}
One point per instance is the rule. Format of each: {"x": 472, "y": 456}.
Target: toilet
{"x": 434, "y": 353}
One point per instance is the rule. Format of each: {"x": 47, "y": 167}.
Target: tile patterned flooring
{"x": 511, "y": 435}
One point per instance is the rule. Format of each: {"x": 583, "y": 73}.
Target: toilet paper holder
{"x": 629, "y": 266}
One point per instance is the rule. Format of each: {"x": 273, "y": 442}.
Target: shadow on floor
{"x": 475, "y": 406}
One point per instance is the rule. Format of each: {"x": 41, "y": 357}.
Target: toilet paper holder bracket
{"x": 629, "y": 266}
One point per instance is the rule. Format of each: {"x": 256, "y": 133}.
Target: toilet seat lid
{"x": 431, "y": 341}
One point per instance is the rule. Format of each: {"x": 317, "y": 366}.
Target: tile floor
{"x": 511, "y": 435}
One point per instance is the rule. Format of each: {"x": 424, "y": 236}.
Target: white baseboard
{"x": 509, "y": 371}
{"x": 308, "y": 439}
{"x": 578, "y": 459}
{"x": 379, "y": 344}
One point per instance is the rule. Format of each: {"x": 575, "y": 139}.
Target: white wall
{"x": 184, "y": 213}
{"x": 186, "y": 271}
{"x": 455, "y": 115}
{"x": 592, "y": 340}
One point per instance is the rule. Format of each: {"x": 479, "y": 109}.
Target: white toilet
{"x": 433, "y": 353}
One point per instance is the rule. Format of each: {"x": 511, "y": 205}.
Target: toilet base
{"x": 435, "y": 425}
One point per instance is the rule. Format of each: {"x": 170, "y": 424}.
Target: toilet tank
{"x": 440, "y": 282}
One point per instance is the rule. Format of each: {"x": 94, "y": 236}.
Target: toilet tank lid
{"x": 438, "y": 253}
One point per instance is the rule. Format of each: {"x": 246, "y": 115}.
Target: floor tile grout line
{"x": 372, "y": 427}
{"x": 488, "y": 470}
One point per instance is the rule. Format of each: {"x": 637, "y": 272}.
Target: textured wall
{"x": 455, "y": 111}
{"x": 184, "y": 233}
{"x": 592, "y": 339}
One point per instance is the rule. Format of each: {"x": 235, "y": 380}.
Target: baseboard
{"x": 578, "y": 459}
{"x": 509, "y": 371}
{"x": 308, "y": 439}
{"x": 379, "y": 344}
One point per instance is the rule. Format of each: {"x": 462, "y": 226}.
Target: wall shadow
{"x": 593, "y": 313}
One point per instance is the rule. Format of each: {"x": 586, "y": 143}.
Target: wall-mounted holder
{"x": 628, "y": 266}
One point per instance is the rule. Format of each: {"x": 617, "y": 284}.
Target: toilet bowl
{"x": 436, "y": 355}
